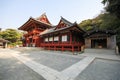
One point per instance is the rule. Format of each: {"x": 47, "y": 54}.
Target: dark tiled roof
{"x": 54, "y": 28}
{"x": 43, "y": 21}
{"x": 66, "y": 21}
{"x": 37, "y": 21}
{"x": 3, "y": 40}
{"x": 48, "y": 31}
{"x": 88, "y": 33}
{"x": 51, "y": 30}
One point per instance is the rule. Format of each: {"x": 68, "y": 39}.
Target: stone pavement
{"x": 102, "y": 55}
{"x": 106, "y": 66}
{"x": 50, "y": 74}
{"x": 84, "y": 68}
{"x": 13, "y": 69}
{"x": 53, "y": 59}
{"x": 77, "y": 68}
{"x": 101, "y": 69}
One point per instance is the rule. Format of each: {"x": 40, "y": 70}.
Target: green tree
{"x": 86, "y": 25}
{"x": 90, "y": 24}
{"x": 0, "y": 34}
{"x": 11, "y": 34}
{"x": 107, "y": 21}
{"x": 113, "y": 7}
{"x": 104, "y": 21}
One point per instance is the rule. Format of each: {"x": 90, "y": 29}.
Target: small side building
{"x": 100, "y": 39}
{"x": 3, "y": 43}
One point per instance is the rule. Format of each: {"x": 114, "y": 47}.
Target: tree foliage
{"x": 11, "y": 35}
{"x": 0, "y": 34}
{"x": 86, "y": 24}
{"x": 91, "y": 24}
{"x": 113, "y": 7}
{"x": 109, "y": 20}
{"x": 104, "y": 21}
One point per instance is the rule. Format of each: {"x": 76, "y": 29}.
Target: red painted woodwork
{"x": 61, "y": 25}
{"x": 34, "y": 38}
{"x": 33, "y": 27}
{"x": 43, "y": 18}
{"x": 71, "y": 45}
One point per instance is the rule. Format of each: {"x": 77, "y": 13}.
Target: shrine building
{"x": 33, "y": 27}
{"x": 100, "y": 39}
{"x": 64, "y": 36}
{"x": 3, "y": 43}
{"x": 41, "y": 33}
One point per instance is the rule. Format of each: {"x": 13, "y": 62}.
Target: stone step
{"x": 23, "y": 49}
{"x": 100, "y": 51}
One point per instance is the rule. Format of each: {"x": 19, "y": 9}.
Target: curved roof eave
{"x": 52, "y": 30}
{"x": 32, "y": 19}
{"x": 103, "y": 31}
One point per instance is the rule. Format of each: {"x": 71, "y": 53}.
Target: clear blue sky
{"x": 14, "y": 13}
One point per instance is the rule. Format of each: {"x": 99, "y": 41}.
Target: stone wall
{"x": 87, "y": 43}
{"x": 111, "y": 42}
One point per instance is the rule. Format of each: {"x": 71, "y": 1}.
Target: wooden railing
{"x": 61, "y": 44}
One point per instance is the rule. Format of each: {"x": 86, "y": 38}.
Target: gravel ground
{"x": 101, "y": 69}
{"x": 12, "y": 69}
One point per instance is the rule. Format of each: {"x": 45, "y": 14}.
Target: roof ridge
{"x": 66, "y": 21}
{"x": 43, "y": 18}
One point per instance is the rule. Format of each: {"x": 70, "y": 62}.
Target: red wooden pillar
{"x": 78, "y": 48}
{"x": 35, "y": 42}
{"x": 55, "y": 48}
{"x": 72, "y": 48}
{"x": 53, "y": 40}
{"x": 39, "y": 41}
{"x": 48, "y": 39}
{"x": 35, "y": 26}
{"x": 62, "y": 48}
{"x": 75, "y": 39}
{"x": 70, "y": 38}
{"x": 49, "y": 47}
{"x": 59, "y": 39}
{"x": 28, "y": 41}
{"x": 25, "y": 44}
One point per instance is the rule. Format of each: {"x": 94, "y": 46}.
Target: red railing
{"x": 62, "y": 44}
